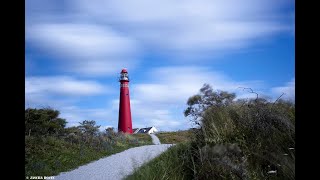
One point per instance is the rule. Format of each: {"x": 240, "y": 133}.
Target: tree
{"x": 75, "y": 130}
{"x": 110, "y": 130}
{"x": 88, "y": 127}
{"x": 206, "y": 98}
{"x": 43, "y": 122}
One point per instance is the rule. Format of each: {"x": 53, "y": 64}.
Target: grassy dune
{"x": 48, "y": 156}
{"x": 174, "y": 137}
{"x": 255, "y": 140}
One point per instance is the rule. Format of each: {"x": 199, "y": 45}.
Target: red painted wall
{"x": 125, "y": 122}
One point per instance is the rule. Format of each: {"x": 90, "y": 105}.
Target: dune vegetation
{"x": 233, "y": 139}
{"x": 51, "y": 148}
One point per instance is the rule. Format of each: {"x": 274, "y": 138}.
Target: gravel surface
{"x": 116, "y": 166}
{"x": 155, "y": 139}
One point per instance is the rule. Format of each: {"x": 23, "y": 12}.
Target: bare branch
{"x": 278, "y": 98}
{"x": 251, "y": 91}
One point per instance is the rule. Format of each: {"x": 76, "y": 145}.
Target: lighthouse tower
{"x": 125, "y": 122}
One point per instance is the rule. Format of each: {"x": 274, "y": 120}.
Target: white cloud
{"x": 62, "y": 85}
{"x": 96, "y": 38}
{"x": 147, "y": 114}
{"x": 81, "y": 40}
{"x": 101, "y": 36}
{"x": 191, "y": 27}
{"x": 288, "y": 89}
{"x": 177, "y": 84}
{"x": 60, "y": 91}
{"x": 87, "y": 49}
{"x": 102, "y": 116}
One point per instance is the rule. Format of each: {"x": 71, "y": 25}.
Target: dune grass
{"x": 239, "y": 141}
{"x": 169, "y": 165}
{"x": 143, "y": 138}
{"x": 174, "y": 137}
{"x": 48, "y": 156}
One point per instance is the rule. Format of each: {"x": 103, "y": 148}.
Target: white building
{"x": 148, "y": 130}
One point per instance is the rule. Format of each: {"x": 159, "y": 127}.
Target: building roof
{"x": 144, "y": 130}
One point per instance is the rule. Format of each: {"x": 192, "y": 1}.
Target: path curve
{"x": 155, "y": 139}
{"x": 116, "y": 166}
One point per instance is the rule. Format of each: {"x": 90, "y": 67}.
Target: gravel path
{"x": 155, "y": 139}
{"x": 116, "y": 166}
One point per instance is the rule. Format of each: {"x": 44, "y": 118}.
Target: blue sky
{"x": 75, "y": 51}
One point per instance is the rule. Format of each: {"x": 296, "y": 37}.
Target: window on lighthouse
{"x": 124, "y": 76}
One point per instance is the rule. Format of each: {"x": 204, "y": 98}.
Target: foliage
{"x": 242, "y": 139}
{"x": 50, "y": 148}
{"x": 89, "y": 128}
{"x": 246, "y": 140}
{"x": 47, "y": 156}
{"x": 199, "y": 103}
{"x": 143, "y": 138}
{"x": 43, "y": 122}
{"x": 174, "y": 137}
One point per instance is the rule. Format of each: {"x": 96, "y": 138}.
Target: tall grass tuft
{"x": 254, "y": 140}
{"x": 166, "y": 166}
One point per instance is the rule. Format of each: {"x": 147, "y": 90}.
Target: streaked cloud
{"x": 62, "y": 85}
{"x": 75, "y": 114}
{"x": 60, "y": 91}
{"x": 177, "y": 84}
{"x": 148, "y": 113}
{"x": 288, "y": 89}
{"x": 190, "y": 28}
{"x": 84, "y": 49}
{"x": 95, "y": 37}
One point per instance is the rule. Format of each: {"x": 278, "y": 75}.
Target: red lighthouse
{"x": 125, "y": 122}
